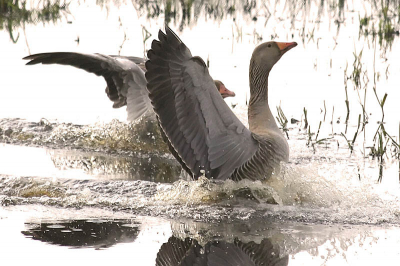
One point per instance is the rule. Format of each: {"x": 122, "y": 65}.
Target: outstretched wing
{"x": 126, "y": 83}
{"x": 199, "y": 125}
{"x": 139, "y": 61}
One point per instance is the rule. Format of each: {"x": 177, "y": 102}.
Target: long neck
{"x": 260, "y": 116}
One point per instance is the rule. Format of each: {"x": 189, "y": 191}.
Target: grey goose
{"x": 204, "y": 134}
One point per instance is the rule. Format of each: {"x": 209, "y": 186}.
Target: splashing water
{"x": 328, "y": 187}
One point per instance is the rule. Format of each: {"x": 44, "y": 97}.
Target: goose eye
{"x": 269, "y": 45}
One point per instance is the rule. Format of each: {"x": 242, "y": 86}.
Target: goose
{"x": 189, "y": 251}
{"x": 204, "y": 134}
{"x": 124, "y": 75}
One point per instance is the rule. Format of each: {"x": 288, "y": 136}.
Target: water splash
{"x": 117, "y": 137}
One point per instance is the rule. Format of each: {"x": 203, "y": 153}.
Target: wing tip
{"x": 32, "y": 59}
{"x": 38, "y": 58}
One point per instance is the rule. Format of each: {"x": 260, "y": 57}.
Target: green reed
{"x": 347, "y": 97}
{"x": 282, "y": 120}
{"x": 388, "y": 13}
{"x": 305, "y": 118}
{"x": 352, "y": 142}
{"x": 14, "y": 14}
{"x": 145, "y": 35}
{"x": 360, "y": 80}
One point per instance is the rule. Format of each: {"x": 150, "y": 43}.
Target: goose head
{"x": 267, "y": 54}
{"x": 264, "y": 57}
{"x": 223, "y": 90}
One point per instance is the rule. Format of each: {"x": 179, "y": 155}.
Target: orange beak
{"x": 286, "y": 46}
{"x": 225, "y": 92}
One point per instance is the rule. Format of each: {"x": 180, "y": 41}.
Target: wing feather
{"x": 200, "y": 127}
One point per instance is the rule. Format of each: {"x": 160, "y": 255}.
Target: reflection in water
{"x": 84, "y": 233}
{"x": 256, "y": 242}
{"x": 100, "y": 233}
{"x": 190, "y": 252}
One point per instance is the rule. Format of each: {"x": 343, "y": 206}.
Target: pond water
{"x": 79, "y": 182}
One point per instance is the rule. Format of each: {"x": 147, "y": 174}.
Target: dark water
{"x": 80, "y": 186}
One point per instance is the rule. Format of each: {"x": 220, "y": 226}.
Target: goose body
{"x": 205, "y": 135}
{"x": 124, "y": 75}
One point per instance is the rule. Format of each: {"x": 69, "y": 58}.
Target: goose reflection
{"x": 189, "y": 252}
{"x": 84, "y": 233}
{"x": 105, "y": 233}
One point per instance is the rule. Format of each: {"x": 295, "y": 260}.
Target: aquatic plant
{"x": 282, "y": 120}
{"x": 305, "y": 118}
{"x": 360, "y": 80}
{"x": 389, "y": 17}
{"x": 347, "y": 97}
{"x": 352, "y": 142}
{"x": 14, "y": 14}
{"x": 314, "y": 142}
{"x": 146, "y": 35}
